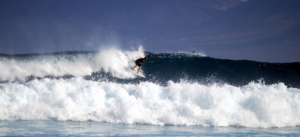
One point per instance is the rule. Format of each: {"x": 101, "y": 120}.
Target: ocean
{"x": 182, "y": 94}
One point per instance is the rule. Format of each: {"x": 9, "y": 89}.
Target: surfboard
{"x": 140, "y": 74}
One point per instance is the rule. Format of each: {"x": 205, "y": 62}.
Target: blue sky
{"x": 267, "y": 30}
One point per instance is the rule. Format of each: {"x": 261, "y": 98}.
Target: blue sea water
{"x": 97, "y": 94}
{"x": 89, "y": 128}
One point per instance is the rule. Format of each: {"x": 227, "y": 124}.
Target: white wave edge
{"x": 112, "y": 60}
{"x": 76, "y": 99}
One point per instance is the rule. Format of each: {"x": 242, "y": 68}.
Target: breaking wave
{"x": 179, "y": 89}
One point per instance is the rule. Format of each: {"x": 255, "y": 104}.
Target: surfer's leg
{"x": 134, "y": 67}
{"x": 139, "y": 69}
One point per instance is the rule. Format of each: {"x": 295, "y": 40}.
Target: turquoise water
{"x": 91, "y": 128}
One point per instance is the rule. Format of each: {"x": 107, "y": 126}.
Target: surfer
{"x": 194, "y": 54}
{"x": 139, "y": 63}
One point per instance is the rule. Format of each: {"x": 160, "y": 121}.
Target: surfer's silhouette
{"x": 139, "y": 63}
{"x": 194, "y": 54}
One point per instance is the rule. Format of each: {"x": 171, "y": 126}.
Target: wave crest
{"x": 111, "y": 60}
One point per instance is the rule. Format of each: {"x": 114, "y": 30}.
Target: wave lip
{"x": 76, "y": 99}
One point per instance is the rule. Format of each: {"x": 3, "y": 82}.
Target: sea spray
{"x": 116, "y": 62}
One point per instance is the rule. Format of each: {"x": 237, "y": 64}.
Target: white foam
{"x": 118, "y": 63}
{"x": 110, "y": 60}
{"x": 253, "y": 105}
{"x": 194, "y": 53}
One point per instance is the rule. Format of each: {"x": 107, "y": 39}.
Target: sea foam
{"x": 112, "y": 60}
{"x": 182, "y": 103}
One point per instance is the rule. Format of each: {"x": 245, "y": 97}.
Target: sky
{"x": 259, "y": 30}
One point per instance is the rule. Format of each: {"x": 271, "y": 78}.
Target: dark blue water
{"x": 168, "y": 66}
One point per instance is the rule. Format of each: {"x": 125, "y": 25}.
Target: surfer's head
{"x": 145, "y": 58}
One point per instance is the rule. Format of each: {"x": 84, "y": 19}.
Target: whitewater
{"x": 110, "y": 60}
{"x": 76, "y": 99}
{"x": 100, "y": 86}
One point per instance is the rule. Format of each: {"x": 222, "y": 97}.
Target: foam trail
{"x": 110, "y": 60}
{"x": 253, "y": 105}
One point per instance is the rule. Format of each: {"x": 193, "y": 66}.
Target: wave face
{"x": 178, "y": 89}
{"x": 177, "y": 66}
